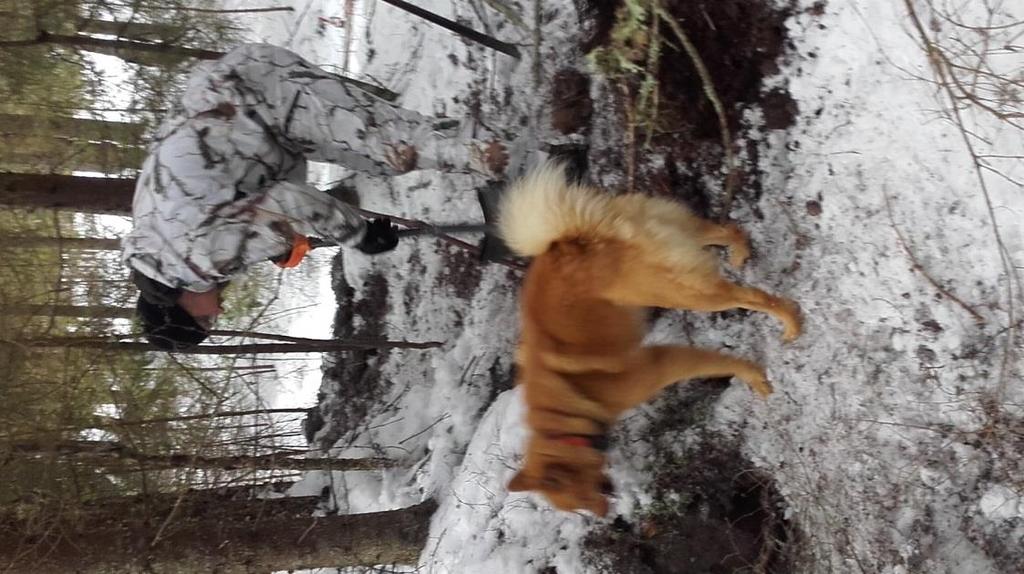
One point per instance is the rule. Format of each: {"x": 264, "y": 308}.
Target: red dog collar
{"x": 596, "y": 442}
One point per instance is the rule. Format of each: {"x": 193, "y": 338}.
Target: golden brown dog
{"x": 600, "y": 261}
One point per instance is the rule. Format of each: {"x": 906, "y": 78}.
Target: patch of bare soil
{"x": 571, "y": 103}
{"x": 460, "y": 271}
{"x": 1002, "y": 442}
{"x": 714, "y": 512}
{"x": 740, "y": 43}
{"x": 355, "y": 381}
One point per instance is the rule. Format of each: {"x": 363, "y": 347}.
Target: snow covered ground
{"x": 895, "y": 431}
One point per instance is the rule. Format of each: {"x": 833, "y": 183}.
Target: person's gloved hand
{"x": 381, "y": 235}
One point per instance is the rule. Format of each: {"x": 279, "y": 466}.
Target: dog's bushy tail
{"x": 544, "y": 207}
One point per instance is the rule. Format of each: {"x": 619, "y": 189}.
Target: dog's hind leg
{"x": 705, "y": 232}
{"x": 727, "y": 235}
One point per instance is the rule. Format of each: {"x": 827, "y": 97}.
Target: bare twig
{"x": 940, "y": 65}
{"x": 630, "y": 138}
{"x": 460, "y": 29}
{"x": 732, "y": 170}
{"x": 920, "y": 268}
{"x": 167, "y": 520}
{"x": 439, "y": 420}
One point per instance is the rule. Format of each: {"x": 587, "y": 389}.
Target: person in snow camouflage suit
{"x": 224, "y": 185}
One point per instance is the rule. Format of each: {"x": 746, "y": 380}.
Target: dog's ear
{"x": 520, "y": 482}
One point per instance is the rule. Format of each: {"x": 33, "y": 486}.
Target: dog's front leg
{"x": 643, "y": 284}
{"x": 726, "y": 295}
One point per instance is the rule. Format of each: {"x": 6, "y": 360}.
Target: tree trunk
{"x": 67, "y": 192}
{"x": 87, "y": 43}
{"x": 140, "y": 57}
{"x": 61, "y": 243}
{"x": 88, "y": 129}
{"x": 162, "y": 54}
{"x": 111, "y": 454}
{"x": 227, "y": 10}
{"x": 235, "y": 537}
{"x": 45, "y": 154}
{"x": 134, "y": 30}
{"x": 145, "y": 52}
{"x": 350, "y": 10}
{"x": 114, "y": 423}
{"x": 313, "y": 346}
{"x": 154, "y": 508}
{"x": 79, "y": 311}
{"x": 55, "y": 144}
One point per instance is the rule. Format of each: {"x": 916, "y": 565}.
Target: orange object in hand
{"x": 300, "y": 247}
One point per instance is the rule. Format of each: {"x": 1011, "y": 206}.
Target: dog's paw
{"x": 739, "y": 246}
{"x": 792, "y": 320}
{"x": 761, "y": 386}
{"x": 738, "y": 256}
{"x": 757, "y": 380}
